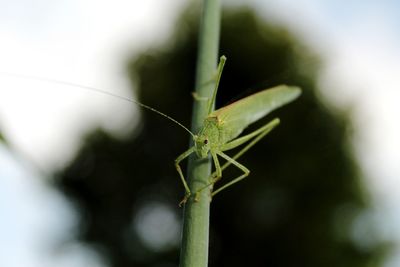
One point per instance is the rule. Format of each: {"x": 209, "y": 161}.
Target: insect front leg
{"x": 178, "y": 168}
{"x": 215, "y": 80}
{"x": 221, "y": 64}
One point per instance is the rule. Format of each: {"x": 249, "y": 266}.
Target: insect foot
{"x": 199, "y": 98}
{"x": 184, "y": 200}
{"x": 197, "y": 196}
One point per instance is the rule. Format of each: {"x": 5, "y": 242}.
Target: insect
{"x": 221, "y": 127}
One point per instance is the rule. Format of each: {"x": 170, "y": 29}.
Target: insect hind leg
{"x": 246, "y": 173}
{"x": 218, "y": 173}
{"x": 257, "y": 135}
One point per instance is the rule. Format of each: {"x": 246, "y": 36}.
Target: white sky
{"x": 86, "y": 42}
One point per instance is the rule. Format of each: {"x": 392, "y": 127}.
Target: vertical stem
{"x": 195, "y": 235}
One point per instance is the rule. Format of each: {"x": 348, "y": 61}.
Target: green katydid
{"x": 221, "y": 127}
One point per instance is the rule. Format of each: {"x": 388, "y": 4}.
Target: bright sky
{"x": 86, "y": 42}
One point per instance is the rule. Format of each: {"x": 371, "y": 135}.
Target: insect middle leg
{"x": 218, "y": 174}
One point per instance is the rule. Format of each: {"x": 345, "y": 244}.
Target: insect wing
{"x": 237, "y": 116}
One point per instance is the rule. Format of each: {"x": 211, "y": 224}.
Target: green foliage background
{"x": 297, "y": 207}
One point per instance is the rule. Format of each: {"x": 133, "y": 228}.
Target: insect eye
{"x": 205, "y": 141}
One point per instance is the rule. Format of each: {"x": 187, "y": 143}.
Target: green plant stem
{"x": 195, "y": 234}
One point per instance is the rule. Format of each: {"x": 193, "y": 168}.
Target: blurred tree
{"x": 297, "y": 208}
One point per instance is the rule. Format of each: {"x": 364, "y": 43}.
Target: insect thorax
{"x": 208, "y": 137}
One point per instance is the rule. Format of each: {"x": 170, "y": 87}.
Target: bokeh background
{"x": 88, "y": 180}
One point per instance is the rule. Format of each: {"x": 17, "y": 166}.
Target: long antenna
{"x": 93, "y": 89}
